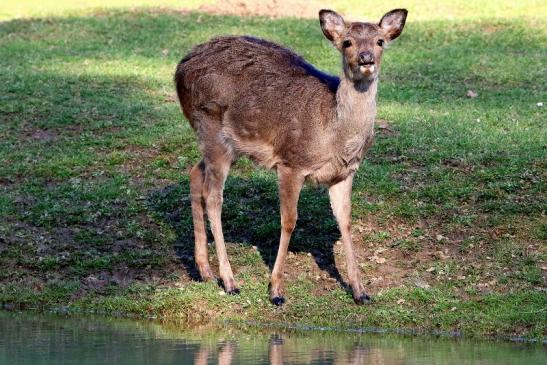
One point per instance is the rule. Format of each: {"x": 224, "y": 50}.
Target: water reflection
{"x": 225, "y": 354}
{"x": 32, "y": 339}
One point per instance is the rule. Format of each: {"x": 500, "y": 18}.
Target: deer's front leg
{"x": 340, "y": 200}
{"x": 290, "y": 184}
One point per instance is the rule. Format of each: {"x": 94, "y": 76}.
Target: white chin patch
{"x": 367, "y": 70}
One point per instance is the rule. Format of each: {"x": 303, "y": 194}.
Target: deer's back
{"x": 267, "y": 101}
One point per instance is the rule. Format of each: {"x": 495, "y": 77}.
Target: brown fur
{"x": 247, "y": 96}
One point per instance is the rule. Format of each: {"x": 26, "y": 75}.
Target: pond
{"x": 49, "y": 339}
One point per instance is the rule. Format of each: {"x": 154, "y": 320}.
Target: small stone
{"x": 431, "y": 269}
{"x": 221, "y": 293}
{"x": 420, "y": 283}
{"x": 440, "y": 237}
{"x": 540, "y": 104}
{"x": 378, "y": 260}
{"x": 401, "y": 301}
{"x": 453, "y": 309}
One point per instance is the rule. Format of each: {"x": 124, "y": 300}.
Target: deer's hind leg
{"x": 215, "y": 176}
{"x": 197, "y": 180}
{"x": 217, "y": 160}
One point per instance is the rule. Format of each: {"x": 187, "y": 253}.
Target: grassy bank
{"x": 449, "y": 206}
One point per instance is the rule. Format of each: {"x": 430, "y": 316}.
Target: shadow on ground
{"x": 251, "y": 216}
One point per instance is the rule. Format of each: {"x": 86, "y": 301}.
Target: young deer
{"x": 248, "y": 96}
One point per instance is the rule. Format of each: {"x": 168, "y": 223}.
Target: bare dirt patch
{"x": 269, "y": 8}
{"x": 41, "y": 135}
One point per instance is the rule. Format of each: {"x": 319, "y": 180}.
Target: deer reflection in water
{"x": 225, "y": 354}
{"x": 280, "y": 352}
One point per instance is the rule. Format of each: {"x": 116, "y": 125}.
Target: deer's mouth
{"x": 367, "y": 69}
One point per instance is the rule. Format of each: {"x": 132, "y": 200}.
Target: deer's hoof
{"x": 363, "y": 299}
{"x": 207, "y": 278}
{"x": 234, "y": 291}
{"x": 229, "y": 288}
{"x": 278, "y": 301}
{"x": 206, "y": 275}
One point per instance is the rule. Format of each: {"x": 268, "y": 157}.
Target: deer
{"x": 245, "y": 96}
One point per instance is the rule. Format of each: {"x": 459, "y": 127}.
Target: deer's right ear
{"x": 332, "y": 24}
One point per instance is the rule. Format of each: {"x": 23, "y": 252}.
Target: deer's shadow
{"x": 250, "y": 215}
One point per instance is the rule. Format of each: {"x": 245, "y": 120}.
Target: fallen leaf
{"x": 472, "y": 94}
{"x": 401, "y": 301}
{"x": 441, "y": 255}
{"x": 375, "y": 279}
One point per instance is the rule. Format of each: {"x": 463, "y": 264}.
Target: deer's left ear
{"x": 393, "y": 23}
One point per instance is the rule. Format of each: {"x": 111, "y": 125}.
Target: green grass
{"x": 39, "y": 8}
{"x": 95, "y": 155}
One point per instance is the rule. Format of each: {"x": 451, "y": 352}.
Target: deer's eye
{"x": 347, "y": 43}
{"x": 380, "y": 42}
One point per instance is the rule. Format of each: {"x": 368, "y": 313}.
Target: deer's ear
{"x": 332, "y": 24}
{"x": 393, "y": 23}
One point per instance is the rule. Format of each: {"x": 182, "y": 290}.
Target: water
{"x": 38, "y": 339}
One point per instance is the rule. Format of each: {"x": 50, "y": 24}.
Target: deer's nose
{"x": 366, "y": 58}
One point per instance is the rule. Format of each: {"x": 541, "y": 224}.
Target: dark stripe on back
{"x": 330, "y": 81}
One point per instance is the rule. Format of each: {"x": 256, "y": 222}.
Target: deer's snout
{"x": 366, "y": 58}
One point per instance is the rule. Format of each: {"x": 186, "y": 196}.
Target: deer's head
{"x": 362, "y": 44}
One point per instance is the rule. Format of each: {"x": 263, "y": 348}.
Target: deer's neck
{"x": 355, "y": 108}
